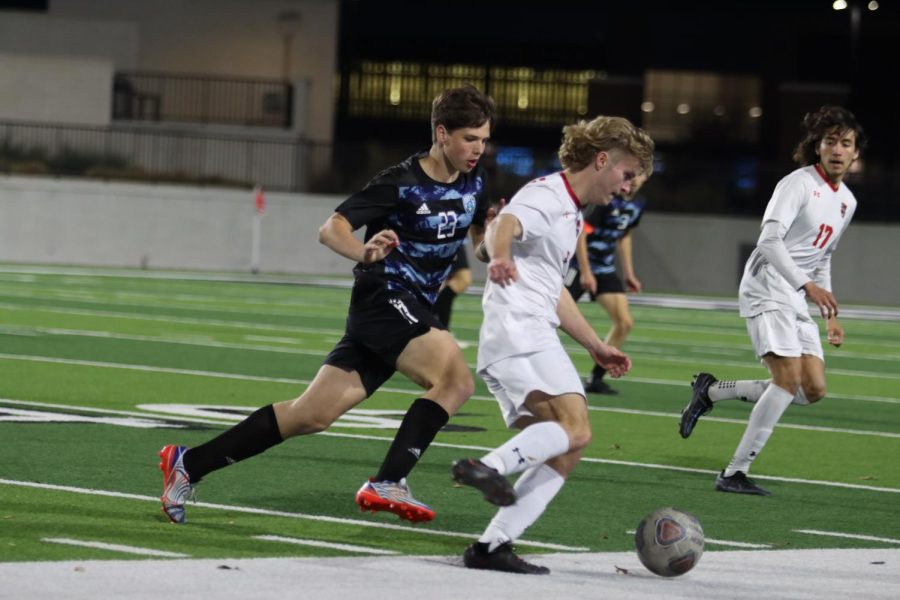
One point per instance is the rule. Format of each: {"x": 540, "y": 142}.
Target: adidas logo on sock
{"x": 415, "y": 452}
{"x": 423, "y": 210}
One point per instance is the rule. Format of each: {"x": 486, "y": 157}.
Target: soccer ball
{"x": 669, "y": 541}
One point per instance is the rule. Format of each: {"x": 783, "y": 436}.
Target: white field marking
{"x": 187, "y": 341}
{"x": 729, "y": 543}
{"x": 659, "y": 354}
{"x": 215, "y": 374}
{"x": 226, "y": 422}
{"x": 194, "y": 341}
{"x": 169, "y": 319}
{"x": 718, "y": 348}
{"x": 649, "y": 413}
{"x": 209, "y": 304}
{"x": 279, "y": 513}
{"x": 729, "y": 363}
{"x": 849, "y": 536}
{"x": 625, "y": 463}
{"x": 367, "y": 418}
{"x": 269, "y": 338}
{"x": 15, "y": 415}
{"x": 318, "y": 544}
{"x": 116, "y": 548}
{"x": 657, "y": 300}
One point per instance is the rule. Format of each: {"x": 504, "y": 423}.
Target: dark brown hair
{"x": 460, "y": 107}
{"x": 819, "y": 124}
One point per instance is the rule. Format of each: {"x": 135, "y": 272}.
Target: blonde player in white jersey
{"x": 520, "y": 355}
{"x": 791, "y": 266}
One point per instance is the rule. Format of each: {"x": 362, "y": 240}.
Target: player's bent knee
{"x": 814, "y": 393}
{"x": 579, "y": 439}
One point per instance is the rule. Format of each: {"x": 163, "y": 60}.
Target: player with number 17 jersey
{"x": 812, "y": 213}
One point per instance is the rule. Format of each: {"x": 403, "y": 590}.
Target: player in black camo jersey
{"x": 417, "y": 215}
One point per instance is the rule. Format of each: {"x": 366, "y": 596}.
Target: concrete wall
{"x": 76, "y": 222}
{"x": 228, "y": 38}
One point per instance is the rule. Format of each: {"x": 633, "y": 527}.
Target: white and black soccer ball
{"x": 669, "y": 541}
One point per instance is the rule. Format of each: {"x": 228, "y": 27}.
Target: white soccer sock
{"x": 750, "y": 391}
{"x": 534, "y": 445}
{"x": 765, "y": 415}
{"x": 534, "y": 491}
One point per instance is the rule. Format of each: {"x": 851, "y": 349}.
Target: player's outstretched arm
{"x": 337, "y": 234}
{"x": 574, "y": 324}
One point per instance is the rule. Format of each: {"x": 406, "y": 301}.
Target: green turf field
{"x": 100, "y": 368}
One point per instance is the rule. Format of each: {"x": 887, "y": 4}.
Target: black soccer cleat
{"x": 699, "y": 405}
{"x": 739, "y": 483}
{"x": 502, "y": 558}
{"x": 598, "y": 386}
{"x": 495, "y": 487}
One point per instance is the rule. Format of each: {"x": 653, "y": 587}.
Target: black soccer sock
{"x": 444, "y": 304}
{"x": 257, "y": 433}
{"x": 422, "y": 422}
{"x": 598, "y": 373}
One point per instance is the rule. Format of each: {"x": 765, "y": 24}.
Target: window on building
{"x": 684, "y": 106}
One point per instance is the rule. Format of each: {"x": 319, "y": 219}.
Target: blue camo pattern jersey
{"x": 430, "y": 218}
{"x": 605, "y": 226}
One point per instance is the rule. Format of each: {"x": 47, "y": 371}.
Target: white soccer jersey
{"x": 815, "y": 214}
{"x": 521, "y": 318}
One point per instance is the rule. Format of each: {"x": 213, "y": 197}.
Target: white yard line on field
{"x": 321, "y": 544}
{"x": 849, "y": 536}
{"x": 279, "y": 513}
{"x": 115, "y": 548}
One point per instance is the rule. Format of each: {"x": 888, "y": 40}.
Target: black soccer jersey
{"x": 604, "y": 227}
{"x": 430, "y": 218}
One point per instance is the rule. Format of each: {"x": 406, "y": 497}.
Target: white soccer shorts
{"x": 785, "y": 333}
{"x": 511, "y": 379}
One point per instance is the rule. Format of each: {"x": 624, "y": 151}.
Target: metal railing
{"x": 143, "y": 96}
{"x": 682, "y": 183}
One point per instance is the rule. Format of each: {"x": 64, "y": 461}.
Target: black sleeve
{"x": 484, "y": 201}
{"x": 374, "y": 202}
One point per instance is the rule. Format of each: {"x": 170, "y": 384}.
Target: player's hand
{"x": 379, "y": 246}
{"x": 633, "y": 284}
{"x": 834, "y": 333}
{"x": 825, "y": 300}
{"x": 616, "y": 362}
{"x": 502, "y": 271}
{"x": 588, "y": 281}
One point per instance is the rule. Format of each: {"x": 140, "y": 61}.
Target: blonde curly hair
{"x": 584, "y": 139}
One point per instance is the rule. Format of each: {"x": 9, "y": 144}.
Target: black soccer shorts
{"x": 380, "y": 323}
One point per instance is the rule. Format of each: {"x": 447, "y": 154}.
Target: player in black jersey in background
{"x": 416, "y": 214}
{"x": 607, "y": 229}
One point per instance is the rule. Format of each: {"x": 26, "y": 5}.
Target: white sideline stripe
{"x": 220, "y": 375}
{"x": 649, "y": 413}
{"x": 164, "y": 319}
{"x": 729, "y": 543}
{"x": 279, "y": 513}
{"x": 116, "y": 547}
{"x": 318, "y": 544}
{"x": 851, "y": 536}
{"x": 662, "y": 300}
{"x": 483, "y": 448}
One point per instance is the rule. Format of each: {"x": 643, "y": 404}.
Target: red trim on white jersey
{"x": 570, "y": 190}
{"x": 824, "y": 176}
